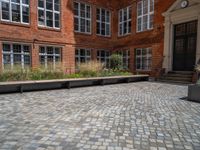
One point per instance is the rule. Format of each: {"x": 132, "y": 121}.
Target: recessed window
{"x": 145, "y": 15}
{"x": 104, "y": 57}
{"x": 15, "y": 11}
{"x": 82, "y": 17}
{"x": 125, "y": 54}
{"x": 49, "y": 13}
{"x": 125, "y": 21}
{"x": 103, "y": 22}
{"x": 82, "y": 56}
{"x": 143, "y": 59}
{"x": 16, "y": 56}
{"x": 50, "y": 57}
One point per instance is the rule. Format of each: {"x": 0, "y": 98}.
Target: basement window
{"x": 145, "y": 15}
{"x": 16, "y": 11}
{"x": 49, "y": 13}
{"x": 125, "y": 21}
{"x": 143, "y": 59}
{"x": 50, "y": 57}
{"x": 103, "y": 56}
{"x": 125, "y": 54}
{"x": 82, "y": 56}
{"x": 16, "y": 56}
{"x": 82, "y": 17}
{"x": 103, "y": 22}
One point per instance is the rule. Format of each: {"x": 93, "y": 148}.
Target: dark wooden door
{"x": 185, "y": 41}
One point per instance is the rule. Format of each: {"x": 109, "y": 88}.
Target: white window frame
{"x": 129, "y": 19}
{"x": 85, "y": 18}
{"x": 10, "y": 11}
{"x": 86, "y": 57}
{"x": 45, "y": 54}
{"x": 148, "y": 14}
{"x": 106, "y": 58}
{"x": 105, "y": 22}
{"x": 142, "y": 57}
{"x": 45, "y": 17}
{"x": 11, "y": 53}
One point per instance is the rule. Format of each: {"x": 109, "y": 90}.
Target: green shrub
{"x": 116, "y": 62}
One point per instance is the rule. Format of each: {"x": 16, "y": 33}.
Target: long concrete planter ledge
{"x": 25, "y": 86}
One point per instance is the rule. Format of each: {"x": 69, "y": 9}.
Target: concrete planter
{"x": 25, "y": 86}
{"x": 194, "y": 92}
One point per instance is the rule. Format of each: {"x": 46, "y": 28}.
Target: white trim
{"x": 122, "y": 22}
{"x": 11, "y": 53}
{"x": 21, "y": 5}
{"x": 148, "y": 14}
{"x": 79, "y": 56}
{"x": 141, "y": 56}
{"x": 54, "y": 55}
{"x": 84, "y": 18}
{"x": 53, "y": 11}
{"x": 105, "y": 22}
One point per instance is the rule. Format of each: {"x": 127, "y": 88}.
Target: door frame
{"x": 174, "y": 17}
{"x": 185, "y": 44}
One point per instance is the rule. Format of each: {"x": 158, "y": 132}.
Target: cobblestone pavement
{"x": 138, "y": 116}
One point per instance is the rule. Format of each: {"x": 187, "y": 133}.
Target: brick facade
{"x": 69, "y": 40}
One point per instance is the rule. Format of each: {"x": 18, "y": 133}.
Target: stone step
{"x": 181, "y": 72}
{"x": 178, "y": 75}
{"x": 173, "y": 81}
{"x": 178, "y": 78}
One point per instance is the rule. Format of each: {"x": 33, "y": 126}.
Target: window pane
{"x": 6, "y": 47}
{"x": 17, "y": 59}
{"x": 25, "y": 2}
{"x": 16, "y": 12}
{"x": 5, "y": 11}
{"x": 41, "y": 3}
{"x": 49, "y": 18}
{"x": 25, "y": 14}
{"x": 49, "y": 4}
{"x": 57, "y": 20}
{"x": 16, "y": 48}
{"x": 57, "y": 5}
{"x": 41, "y": 17}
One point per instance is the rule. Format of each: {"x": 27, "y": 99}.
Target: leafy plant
{"x": 90, "y": 69}
{"x": 116, "y": 62}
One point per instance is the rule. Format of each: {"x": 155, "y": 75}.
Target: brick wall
{"x": 69, "y": 40}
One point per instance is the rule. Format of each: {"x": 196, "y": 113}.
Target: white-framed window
{"x": 103, "y": 56}
{"x": 125, "y": 54}
{"x": 145, "y": 15}
{"x": 103, "y": 17}
{"x": 143, "y": 59}
{"x": 50, "y": 57}
{"x": 16, "y": 11}
{"x": 82, "y": 55}
{"x": 82, "y": 17}
{"x": 49, "y": 13}
{"x": 16, "y": 56}
{"x": 125, "y": 21}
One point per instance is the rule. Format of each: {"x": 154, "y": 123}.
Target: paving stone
{"x": 143, "y": 115}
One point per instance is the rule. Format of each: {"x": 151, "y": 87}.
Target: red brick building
{"x": 152, "y": 35}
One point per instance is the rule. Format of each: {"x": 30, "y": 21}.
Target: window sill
{"x": 82, "y": 33}
{"x": 102, "y": 36}
{"x": 49, "y": 29}
{"x": 146, "y": 31}
{"x": 123, "y": 36}
{"x": 15, "y": 24}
